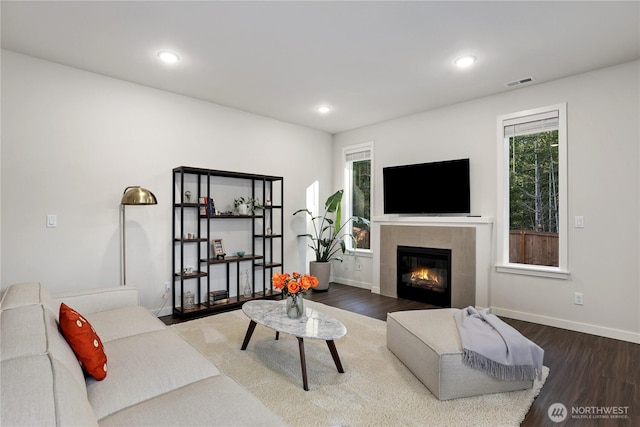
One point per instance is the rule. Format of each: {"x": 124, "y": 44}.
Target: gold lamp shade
{"x": 131, "y": 196}
{"x": 138, "y": 196}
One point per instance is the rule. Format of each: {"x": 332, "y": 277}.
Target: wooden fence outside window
{"x": 533, "y": 247}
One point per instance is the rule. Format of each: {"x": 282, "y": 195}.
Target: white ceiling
{"x": 372, "y": 61}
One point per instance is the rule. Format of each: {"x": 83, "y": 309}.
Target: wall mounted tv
{"x": 427, "y": 188}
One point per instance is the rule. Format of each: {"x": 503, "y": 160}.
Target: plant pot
{"x": 243, "y": 209}
{"x": 322, "y": 270}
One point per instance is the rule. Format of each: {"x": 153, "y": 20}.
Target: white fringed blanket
{"x": 496, "y": 348}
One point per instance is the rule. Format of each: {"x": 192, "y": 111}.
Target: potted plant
{"x": 328, "y": 240}
{"x": 244, "y": 205}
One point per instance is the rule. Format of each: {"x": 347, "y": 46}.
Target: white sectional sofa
{"x": 154, "y": 376}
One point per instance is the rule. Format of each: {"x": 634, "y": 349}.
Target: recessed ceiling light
{"x": 168, "y": 57}
{"x": 465, "y": 61}
{"x": 323, "y": 109}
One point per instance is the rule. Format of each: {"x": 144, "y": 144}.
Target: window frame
{"x": 347, "y": 211}
{"x": 502, "y": 221}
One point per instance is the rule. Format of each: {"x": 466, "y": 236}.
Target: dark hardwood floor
{"x": 587, "y": 373}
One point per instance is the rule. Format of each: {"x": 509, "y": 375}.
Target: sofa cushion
{"x": 32, "y": 330}
{"x": 145, "y": 366}
{"x": 220, "y": 401}
{"x": 100, "y": 299}
{"x": 24, "y": 294}
{"x": 40, "y": 391}
{"x": 23, "y": 331}
{"x": 124, "y": 322}
{"x": 84, "y": 342}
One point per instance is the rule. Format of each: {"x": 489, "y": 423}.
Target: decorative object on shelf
{"x": 328, "y": 237}
{"x": 187, "y": 196}
{"x": 240, "y": 253}
{"x": 267, "y": 202}
{"x": 208, "y": 207}
{"x": 202, "y": 201}
{"x": 246, "y": 205}
{"x": 294, "y": 286}
{"x": 132, "y": 196}
{"x": 188, "y": 300}
{"x": 218, "y": 248}
{"x": 246, "y": 286}
{"x": 268, "y": 231}
{"x": 218, "y": 297}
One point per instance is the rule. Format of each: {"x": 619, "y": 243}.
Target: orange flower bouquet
{"x": 293, "y": 286}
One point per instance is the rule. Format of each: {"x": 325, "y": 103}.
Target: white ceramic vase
{"x": 243, "y": 209}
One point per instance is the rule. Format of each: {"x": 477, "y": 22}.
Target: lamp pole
{"x": 131, "y": 196}
{"x": 123, "y": 261}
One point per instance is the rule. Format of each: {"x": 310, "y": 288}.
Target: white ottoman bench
{"x": 428, "y": 343}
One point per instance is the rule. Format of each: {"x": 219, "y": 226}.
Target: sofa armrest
{"x": 100, "y": 299}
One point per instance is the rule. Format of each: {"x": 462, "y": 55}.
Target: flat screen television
{"x": 427, "y": 188}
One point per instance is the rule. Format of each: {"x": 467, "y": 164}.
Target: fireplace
{"x": 424, "y": 275}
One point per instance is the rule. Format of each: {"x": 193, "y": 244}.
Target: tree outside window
{"x": 532, "y": 181}
{"x": 357, "y": 194}
{"x": 534, "y": 199}
{"x": 361, "y": 203}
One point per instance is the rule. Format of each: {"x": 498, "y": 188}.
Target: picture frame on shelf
{"x": 218, "y": 248}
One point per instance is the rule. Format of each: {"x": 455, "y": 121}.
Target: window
{"x": 356, "y": 201}
{"x": 532, "y": 211}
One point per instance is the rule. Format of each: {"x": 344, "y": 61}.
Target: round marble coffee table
{"x": 312, "y": 324}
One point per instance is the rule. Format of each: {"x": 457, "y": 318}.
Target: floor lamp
{"x": 132, "y": 196}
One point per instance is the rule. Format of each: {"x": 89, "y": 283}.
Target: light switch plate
{"x": 52, "y": 221}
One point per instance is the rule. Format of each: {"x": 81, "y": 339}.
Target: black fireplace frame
{"x": 441, "y": 299}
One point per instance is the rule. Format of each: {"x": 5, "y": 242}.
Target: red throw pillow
{"x": 84, "y": 341}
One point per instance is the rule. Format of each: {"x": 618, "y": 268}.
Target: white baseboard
{"x": 586, "y": 328}
{"x": 353, "y": 283}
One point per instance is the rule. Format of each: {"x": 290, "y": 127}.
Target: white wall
{"x": 73, "y": 140}
{"x": 604, "y": 158}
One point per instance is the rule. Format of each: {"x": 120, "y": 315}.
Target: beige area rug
{"x": 375, "y": 390}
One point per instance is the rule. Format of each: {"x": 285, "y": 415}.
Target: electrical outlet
{"x": 578, "y": 298}
{"x": 167, "y": 290}
{"x": 358, "y": 267}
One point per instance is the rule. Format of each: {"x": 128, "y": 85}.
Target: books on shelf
{"x": 218, "y": 297}
{"x": 207, "y": 207}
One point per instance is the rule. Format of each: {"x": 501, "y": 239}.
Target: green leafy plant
{"x": 252, "y": 203}
{"x": 328, "y": 238}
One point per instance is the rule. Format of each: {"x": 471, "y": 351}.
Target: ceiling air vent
{"x": 519, "y": 82}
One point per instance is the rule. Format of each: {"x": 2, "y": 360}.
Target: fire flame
{"x": 424, "y": 274}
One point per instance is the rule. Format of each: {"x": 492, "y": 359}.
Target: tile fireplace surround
{"x": 469, "y": 239}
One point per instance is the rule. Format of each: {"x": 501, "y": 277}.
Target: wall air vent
{"x": 520, "y": 82}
